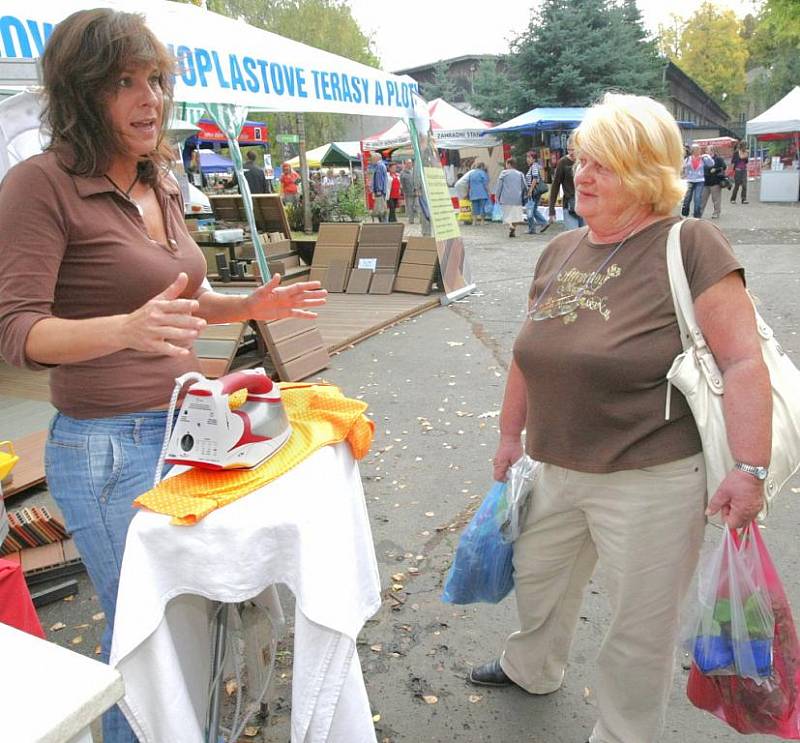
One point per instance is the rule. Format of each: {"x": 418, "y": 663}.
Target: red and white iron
{"x": 236, "y": 421}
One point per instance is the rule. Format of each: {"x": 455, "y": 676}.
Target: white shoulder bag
{"x": 696, "y": 374}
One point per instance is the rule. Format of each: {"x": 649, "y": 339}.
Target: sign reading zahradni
{"x": 222, "y": 60}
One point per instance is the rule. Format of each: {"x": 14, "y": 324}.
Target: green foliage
{"x": 489, "y": 92}
{"x": 714, "y": 53}
{"x": 442, "y": 86}
{"x": 324, "y": 24}
{"x": 781, "y": 18}
{"x": 570, "y": 54}
{"x": 336, "y": 205}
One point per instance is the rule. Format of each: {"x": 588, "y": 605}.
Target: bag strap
{"x": 679, "y": 287}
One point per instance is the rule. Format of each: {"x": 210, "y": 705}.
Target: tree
{"x": 714, "y": 54}
{"x": 571, "y": 53}
{"x": 489, "y": 92}
{"x": 442, "y": 85}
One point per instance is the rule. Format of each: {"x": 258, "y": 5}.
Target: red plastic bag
{"x": 772, "y": 706}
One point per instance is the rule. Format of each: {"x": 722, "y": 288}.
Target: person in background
{"x": 395, "y": 192}
{"x": 410, "y": 185}
{"x": 328, "y": 181}
{"x": 563, "y": 179}
{"x": 478, "y": 192}
{"x": 714, "y": 178}
{"x": 739, "y": 161}
{"x": 343, "y": 180}
{"x": 511, "y": 193}
{"x": 694, "y": 173}
{"x": 102, "y": 285}
{"x": 619, "y": 484}
{"x": 194, "y": 172}
{"x": 533, "y": 177}
{"x": 288, "y": 181}
{"x": 380, "y": 187}
{"x": 254, "y": 175}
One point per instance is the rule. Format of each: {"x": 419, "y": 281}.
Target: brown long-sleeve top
{"x": 72, "y": 247}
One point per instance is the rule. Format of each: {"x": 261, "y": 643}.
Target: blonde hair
{"x": 638, "y": 139}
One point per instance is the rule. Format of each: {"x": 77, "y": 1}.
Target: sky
{"x": 418, "y": 32}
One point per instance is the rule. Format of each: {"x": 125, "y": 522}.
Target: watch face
{"x": 761, "y": 473}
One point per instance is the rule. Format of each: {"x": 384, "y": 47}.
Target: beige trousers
{"x": 715, "y": 192}
{"x": 646, "y": 526}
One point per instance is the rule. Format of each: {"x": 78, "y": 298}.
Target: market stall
{"x": 780, "y": 125}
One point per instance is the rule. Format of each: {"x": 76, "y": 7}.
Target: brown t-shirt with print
{"x": 72, "y": 247}
{"x": 596, "y": 378}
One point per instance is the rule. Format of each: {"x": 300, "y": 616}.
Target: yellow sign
{"x": 443, "y": 218}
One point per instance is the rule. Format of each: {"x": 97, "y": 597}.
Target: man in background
{"x": 254, "y": 175}
{"x": 410, "y": 186}
{"x": 380, "y": 185}
{"x": 563, "y": 179}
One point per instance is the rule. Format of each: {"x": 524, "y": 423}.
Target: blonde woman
{"x": 620, "y": 484}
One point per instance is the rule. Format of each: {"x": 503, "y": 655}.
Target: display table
{"x": 780, "y": 185}
{"x": 51, "y": 694}
{"x": 308, "y": 530}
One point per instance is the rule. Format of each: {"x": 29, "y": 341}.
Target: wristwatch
{"x": 756, "y": 471}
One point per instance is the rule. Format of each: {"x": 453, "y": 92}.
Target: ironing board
{"x": 308, "y": 530}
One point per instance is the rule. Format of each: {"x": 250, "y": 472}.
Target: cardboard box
{"x": 277, "y": 248}
{"x": 284, "y": 265}
{"x": 387, "y": 256}
{"x": 336, "y": 277}
{"x": 328, "y": 255}
{"x": 382, "y": 282}
{"x": 360, "y": 279}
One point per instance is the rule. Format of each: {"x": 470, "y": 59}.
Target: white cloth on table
{"x": 308, "y": 530}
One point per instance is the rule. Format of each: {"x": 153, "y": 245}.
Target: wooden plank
{"x": 214, "y": 348}
{"x": 373, "y": 235}
{"x": 31, "y": 385}
{"x": 336, "y": 234}
{"x": 213, "y": 368}
{"x": 416, "y": 271}
{"x": 414, "y": 286}
{"x": 305, "y": 365}
{"x": 30, "y": 468}
{"x": 227, "y": 331}
{"x": 297, "y": 345}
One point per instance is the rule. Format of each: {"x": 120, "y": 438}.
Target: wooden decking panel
{"x": 29, "y": 471}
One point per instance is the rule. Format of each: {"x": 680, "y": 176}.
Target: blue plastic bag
{"x": 482, "y": 569}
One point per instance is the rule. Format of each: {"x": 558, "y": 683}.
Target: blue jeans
{"x": 533, "y": 214}
{"x": 571, "y": 222}
{"x": 95, "y": 468}
{"x": 694, "y": 196}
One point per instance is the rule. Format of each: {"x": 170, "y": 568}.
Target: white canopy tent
{"x": 452, "y": 130}
{"x": 782, "y": 118}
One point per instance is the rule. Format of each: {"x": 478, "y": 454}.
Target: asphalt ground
{"x": 434, "y": 385}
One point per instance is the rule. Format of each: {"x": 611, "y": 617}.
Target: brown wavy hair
{"x": 81, "y": 65}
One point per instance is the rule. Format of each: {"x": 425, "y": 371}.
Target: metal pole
{"x": 220, "y": 638}
{"x": 301, "y": 132}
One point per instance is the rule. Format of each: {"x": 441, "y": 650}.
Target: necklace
{"x": 566, "y": 305}
{"x": 127, "y": 194}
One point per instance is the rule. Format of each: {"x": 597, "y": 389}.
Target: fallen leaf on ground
{"x": 251, "y": 731}
{"x": 230, "y": 687}
{"x": 57, "y": 626}
{"x": 376, "y": 648}
{"x": 397, "y": 577}
{"x": 430, "y": 698}
{"x": 99, "y": 617}
{"x": 376, "y": 718}
{"x": 490, "y": 414}
{"x": 475, "y": 698}
{"x": 77, "y": 640}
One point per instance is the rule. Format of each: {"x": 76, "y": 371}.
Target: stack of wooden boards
{"x": 239, "y": 257}
{"x": 369, "y": 258}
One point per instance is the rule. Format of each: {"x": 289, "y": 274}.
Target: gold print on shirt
{"x": 582, "y": 288}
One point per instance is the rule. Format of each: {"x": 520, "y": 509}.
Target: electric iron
{"x": 236, "y": 421}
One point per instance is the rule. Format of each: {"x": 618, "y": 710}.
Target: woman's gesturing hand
{"x": 508, "y": 451}
{"x": 273, "y": 302}
{"x": 739, "y": 499}
{"x": 165, "y": 324}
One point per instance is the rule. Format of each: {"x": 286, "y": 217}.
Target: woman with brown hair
{"x": 101, "y": 283}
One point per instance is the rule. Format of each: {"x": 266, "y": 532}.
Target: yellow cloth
{"x": 319, "y": 414}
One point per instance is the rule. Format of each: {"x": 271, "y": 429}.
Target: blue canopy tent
{"x": 211, "y": 162}
{"x": 541, "y": 119}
